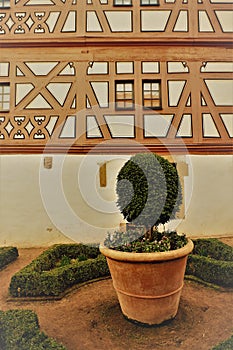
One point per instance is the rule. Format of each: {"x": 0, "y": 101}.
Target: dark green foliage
{"x": 212, "y": 262}
{"x": 133, "y": 240}
{"x": 82, "y": 257}
{"x": 65, "y": 260}
{"x": 19, "y": 330}
{"x": 148, "y": 190}
{"x": 211, "y": 270}
{"x": 7, "y": 255}
{"x": 226, "y": 345}
{"x": 213, "y": 248}
{"x": 43, "y": 277}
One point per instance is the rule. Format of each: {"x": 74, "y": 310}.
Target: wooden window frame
{"x": 151, "y": 81}
{"x": 5, "y": 4}
{"x": 124, "y": 100}
{"x": 3, "y": 94}
{"x": 122, "y": 4}
{"x": 149, "y": 4}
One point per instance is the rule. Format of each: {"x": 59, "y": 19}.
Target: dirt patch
{"x": 90, "y": 318}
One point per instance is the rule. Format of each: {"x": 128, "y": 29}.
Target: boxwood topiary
{"x": 7, "y": 255}
{"x": 19, "y": 329}
{"x": 211, "y": 261}
{"x": 148, "y": 190}
{"x": 45, "y": 277}
{"x": 148, "y": 194}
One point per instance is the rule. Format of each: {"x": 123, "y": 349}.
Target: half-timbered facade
{"x": 153, "y": 71}
{"x": 114, "y": 77}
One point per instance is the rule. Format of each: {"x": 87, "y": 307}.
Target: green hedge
{"x": 213, "y": 248}
{"x": 226, "y": 345}
{"x": 212, "y": 262}
{"x": 19, "y": 329}
{"x": 7, "y": 255}
{"x": 42, "y": 277}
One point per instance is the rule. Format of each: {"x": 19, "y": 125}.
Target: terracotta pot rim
{"x": 147, "y": 257}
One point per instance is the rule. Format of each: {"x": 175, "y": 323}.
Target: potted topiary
{"x": 147, "y": 266}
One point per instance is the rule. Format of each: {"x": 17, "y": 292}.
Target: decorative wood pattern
{"x": 67, "y": 19}
{"x": 63, "y": 85}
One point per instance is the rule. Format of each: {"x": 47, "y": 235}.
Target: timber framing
{"x": 62, "y": 62}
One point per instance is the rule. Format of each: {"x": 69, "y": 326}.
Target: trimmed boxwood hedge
{"x": 211, "y": 261}
{"x": 19, "y": 330}
{"x": 42, "y": 277}
{"x": 7, "y": 255}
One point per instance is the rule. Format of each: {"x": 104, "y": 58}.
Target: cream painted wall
{"x": 210, "y": 212}
{"x": 24, "y": 221}
{"x": 40, "y": 207}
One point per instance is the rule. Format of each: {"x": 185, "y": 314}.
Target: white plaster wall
{"x": 24, "y": 222}
{"x": 210, "y": 212}
{"x": 40, "y": 207}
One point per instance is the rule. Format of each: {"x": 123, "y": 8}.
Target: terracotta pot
{"x": 148, "y": 285}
